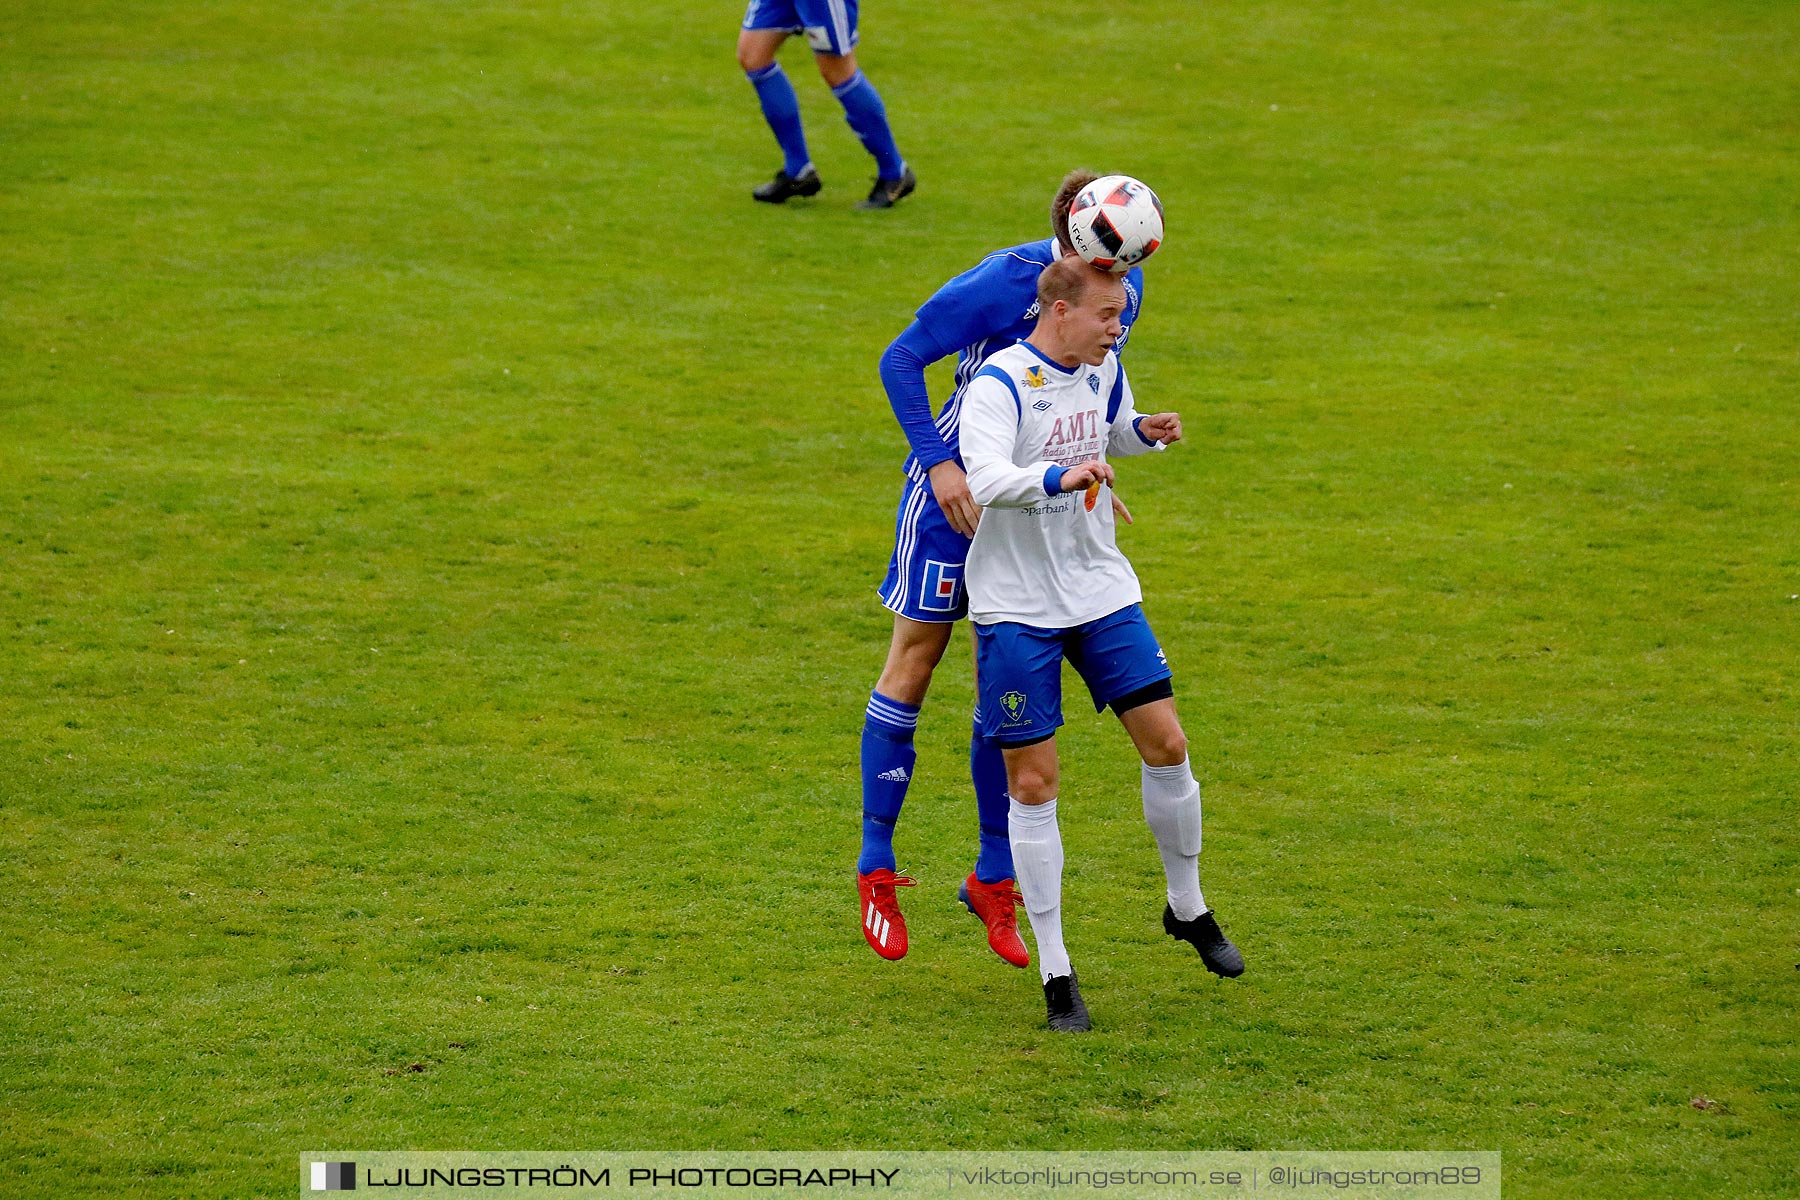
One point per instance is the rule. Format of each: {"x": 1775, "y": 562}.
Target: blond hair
{"x": 1068, "y": 279}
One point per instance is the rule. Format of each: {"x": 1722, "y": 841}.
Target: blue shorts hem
{"x": 934, "y": 619}
{"x": 1128, "y": 688}
{"x": 1018, "y": 735}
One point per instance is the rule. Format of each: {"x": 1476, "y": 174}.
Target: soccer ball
{"x": 1116, "y": 223}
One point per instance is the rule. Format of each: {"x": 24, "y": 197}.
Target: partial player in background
{"x": 986, "y": 309}
{"x": 830, "y": 28}
{"x": 1047, "y": 582}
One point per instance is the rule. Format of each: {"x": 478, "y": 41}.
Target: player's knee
{"x": 1167, "y": 748}
{"x": 911, "y": 671}
{"x": 753, "y": 54}
{"x": 1032, "y": 786}
{"x": 836, "y": 69}
{"x": 906, "y": 676}
{"x": 917, "y": 650}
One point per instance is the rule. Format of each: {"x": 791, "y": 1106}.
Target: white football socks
{"x": 1172, "y": 809}
{"x": 1038, "y": 863}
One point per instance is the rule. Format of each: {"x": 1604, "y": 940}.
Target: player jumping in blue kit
{"x": 830, "y": 28}
{"x": 986, "y": 309}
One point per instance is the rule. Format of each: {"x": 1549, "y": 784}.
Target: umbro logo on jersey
{"x": 1041, "y": 405}
{"x": 1034, "y": 377}
{"x": 897, "y": 775}
{"x": 1094, "y": 384}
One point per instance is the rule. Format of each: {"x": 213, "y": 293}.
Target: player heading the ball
{"x": 1047, "y": 581}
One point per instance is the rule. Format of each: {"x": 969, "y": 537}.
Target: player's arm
{"x": 903, "y": 375}
{"x": 1131, "y": 432}
{"x": 970, "y": 308}
{"x": 990, "y": 426}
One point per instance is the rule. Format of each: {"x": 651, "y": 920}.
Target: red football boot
{"x": 882, "y": 923}
{"x": 993, "y": 903}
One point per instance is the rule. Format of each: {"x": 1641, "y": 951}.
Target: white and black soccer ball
{"x": 1115, "y": 223}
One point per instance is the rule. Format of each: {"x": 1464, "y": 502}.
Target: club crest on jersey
{"x": 1014, "y": 704}
{"x": 1034, "y": 377}
{"x": 1094, "y": 384}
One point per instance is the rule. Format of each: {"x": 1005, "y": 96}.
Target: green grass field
{"x": 439, "y": 519}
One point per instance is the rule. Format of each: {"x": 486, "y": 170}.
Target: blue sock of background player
{"x": 887, "y": 766}
{"x": 781, "y": 109}
{"x": 987, "y": 768}
{"x": 867, "y": 116}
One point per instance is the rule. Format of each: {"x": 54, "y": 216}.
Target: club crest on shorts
{"x": 943, "y": 586}
{"x": 1014, "y": 704}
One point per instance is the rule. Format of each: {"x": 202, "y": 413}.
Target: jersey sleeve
{"x": 1134, "y": 304}
{"x": 989, "y": 427}
{"x": 979, "y": 303}
{"x": 1123, "y": 439}
{"x": 903, "y": 377}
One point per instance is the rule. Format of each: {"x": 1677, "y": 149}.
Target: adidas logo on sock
{"x": 897, "y": 775}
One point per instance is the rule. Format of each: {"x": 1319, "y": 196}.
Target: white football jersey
{"x": 1042, "y": 556}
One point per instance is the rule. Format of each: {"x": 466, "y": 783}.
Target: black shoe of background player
{"x": 785, "y": 187}
{"x": 888, "y": 192}
{"x": 1063, "y": 1007}
{"x": 1204, "y": 934}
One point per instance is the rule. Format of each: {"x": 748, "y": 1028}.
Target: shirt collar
{"x": 1052, "y": 362}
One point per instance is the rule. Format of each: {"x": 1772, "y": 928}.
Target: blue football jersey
{"x": 989, "y": 307}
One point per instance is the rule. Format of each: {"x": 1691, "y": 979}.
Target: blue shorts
{"x": 829, "y": 25}
{"x": 925, "y": 575}
{"x": 1019, "y": 669}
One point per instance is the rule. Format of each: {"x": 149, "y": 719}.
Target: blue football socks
{"x": 781, "y": 109}
{"x": 988, "y": 770}
{"x": 867, "y": 116}
{"x": 887, "y": 766}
